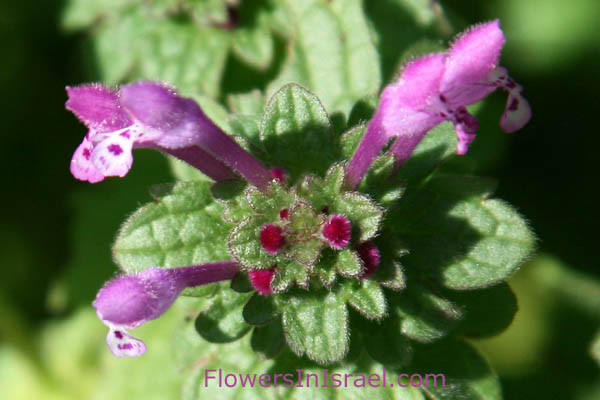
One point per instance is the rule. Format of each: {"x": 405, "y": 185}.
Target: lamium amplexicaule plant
{"x": 323, "y": 238}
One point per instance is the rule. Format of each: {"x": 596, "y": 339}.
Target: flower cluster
{"x": 286, "y": 226}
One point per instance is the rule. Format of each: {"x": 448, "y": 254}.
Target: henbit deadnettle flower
{"x": 370, "y": 256}
{"x": 436, "y": 88}
{"x": 152, "y": 115}
{"x": 261, "y": 280}
{"x": 279, "y": 174}
{"x": 337, "y": 231}
{"x": 271, "y": 238}
{"x": 131, "y": 300}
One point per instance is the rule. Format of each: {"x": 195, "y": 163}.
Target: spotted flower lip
{"x": 152, "y": 115}
{"x": 131, "y": 300}
{"x": 435, "y": 88}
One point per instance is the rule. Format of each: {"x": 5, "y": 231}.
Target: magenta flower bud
{"x": 131, "y": 300}
{"x": 436, "y": 88}
{"x": 284, "y": 214}
{"x": 152, "y": 115}
{"x": 261, "y": 280}
{"x": 271, "y": 238}
{"x": 369, "y": 254}
{"x": 279, "y": 174}
{"x": 337, "y": 231}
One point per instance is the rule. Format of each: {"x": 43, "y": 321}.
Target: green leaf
{"x": 136, "y": 45}
{"x": 304, "y": 221}
{"x": 396, "y": 25}
{"x": 207, "y": 11}
{"x": 232, "y": 194}
{"x": 362, "y": 211}
{"x": 348, "y": 263}
{"x": 254, "y": 46}
{"x": 288, "y": 275}
{"x": 334, "y": 179}
{"x": 245, "y": 247}
{"x": 268, "y": 341}
{"x": 222, "y": 321}
{"x": 380, "y": 182}
{"x": 425, "y": 316}
{"x": 296, "y": 132}
{"x": 350, "y": 139}
{"x": 394, "y": 278}
{"x": 248, "y": 104}
{"x": 247, "y": 128}
{"x": 306, "y": 253}
{"x": 182, "y": 228}
{"x": 325, "y": 267}
{"x": 79, "y": 14}
{"x": 337, "y": 60}
{"x": 462, "y": 186}
{"x": 368, "y": 299}
{"x": 259, "y": 310}
{"x": 240, "y": 283}
{"x": 460, "y": 238}
{"x": 465, "y": 372}
{"x": 316, "y": 324}
{"x": 487, "y": 312}
{"x": 385, "y": 344}
{"x": 271, "y": 203}
{"x": 362, "y": 111}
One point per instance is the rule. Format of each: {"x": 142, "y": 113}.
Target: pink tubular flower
{"x": 152, "y": 115}
{"x": 436, "y": 88}
{"x": 131, "y": 300}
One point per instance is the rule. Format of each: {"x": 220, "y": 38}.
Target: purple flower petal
{"x": 97, "y": 107}
{"x": 131, "y": 300}
{"x": 148, "y": 114}
{"x": 175, "y": 121}
{"x": 82, "y": 167}
{"x": 112, "y": 155}
{"x": 122, "y": 344}
{"x": 516, "y": 114}
{"x": 419, "y": 81}
{"x": 473, "y": 55}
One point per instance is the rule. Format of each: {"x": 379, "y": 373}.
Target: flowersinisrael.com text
{"x": 301, "y": 378}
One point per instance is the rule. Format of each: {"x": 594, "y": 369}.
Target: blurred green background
{"x": 56, "y": 232}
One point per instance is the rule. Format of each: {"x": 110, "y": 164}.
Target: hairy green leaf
{"x": 465, "y": 373}
{"x": 296, "y": 132}
{"x": 487, "y": 312}
{"x": 457, "y": 235}
{"x": 368, "y": 298}
{"x": 332, "y": 53}
{"x": 268, "y": 341}
{"x": 222, "y": 321}
{"x": 259, "y": 310}
{"x": 424, "y": 315}
{"x": 181, "y": 228}
{"x": 316, "y": 324}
